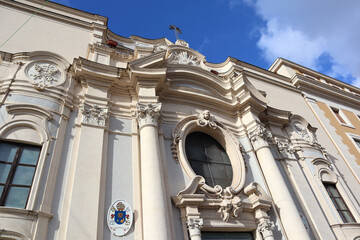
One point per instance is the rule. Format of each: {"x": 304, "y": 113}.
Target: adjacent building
{"x": 107, "y": 137}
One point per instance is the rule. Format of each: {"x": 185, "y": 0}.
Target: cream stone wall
{"x": 113, "y": 121}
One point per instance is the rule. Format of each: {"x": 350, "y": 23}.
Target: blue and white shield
{"x": 120, "y": 217}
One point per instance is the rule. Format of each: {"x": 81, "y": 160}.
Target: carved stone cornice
{"x": 148, "y": 114}
{"x": 266, "y": 229}
{"x": 260, "y": 137}
{"x": 94, "y": 115}
{"x": 204, "y": 119}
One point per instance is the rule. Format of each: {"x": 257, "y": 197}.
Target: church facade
{"x": 107, "y": 137}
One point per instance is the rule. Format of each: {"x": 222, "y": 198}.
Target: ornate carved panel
{"x": 44, "y": 74}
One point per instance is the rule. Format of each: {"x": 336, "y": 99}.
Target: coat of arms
{"x": 119, "y": 218}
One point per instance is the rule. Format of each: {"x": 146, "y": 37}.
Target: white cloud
{"x": 303, "y": 30}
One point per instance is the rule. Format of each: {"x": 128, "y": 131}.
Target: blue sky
{"x": 323, "y": 35}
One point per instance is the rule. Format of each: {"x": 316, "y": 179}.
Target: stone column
{"x": 266, "y": 230}
{"x": 293, "y": 225}
{"x": 194, "y": 225}
{"x": 155, "y": 217}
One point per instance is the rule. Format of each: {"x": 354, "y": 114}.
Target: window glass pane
{"x": 225, "y": 157}
{"x": 23, "y": 175}
{"x": 30, "y": 155}
{"x": 195, "y": 153}
{"x": 222, "y": 182}
{"x": 340, "y": 203}
{"x": 17, "y": 197}
{"x": 4, "y": 172}
{"x": 213, "y": 154}
{"x": 229, "y": 171}
{"x": 333, "y": 191}
{"x": 348, "y": 217}
{"x": 218, "y": 170}
{"x": 226, "y": 236}
{"x": 7, "y": 152}
{"x": 200, "y": 168}
{"x": 1, "y": 189}
{"x": 215, "y": 164}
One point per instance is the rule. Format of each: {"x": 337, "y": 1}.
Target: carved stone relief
{"x": 260, "y": 137}
{"x": 204, "y": 120}
{"x": 230, "y": 205}
{"x": 301, "y": 131}
{"x": 266, "y": 229}
{"x": 195, "y": 223}
{"x": 44, "y": 74}
{"x": 285, "y": 148}
{"x": 94, "y": 115}
{"x": 148, "y": 114}
{"x": 185, "y": 58}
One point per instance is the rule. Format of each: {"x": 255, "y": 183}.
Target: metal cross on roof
{"x": 176, "y": 30}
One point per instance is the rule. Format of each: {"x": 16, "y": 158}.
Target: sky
{"x": 323, "y": 35}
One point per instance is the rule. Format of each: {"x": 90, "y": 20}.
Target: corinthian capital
{"x": 148, "y": 114}
{"x": 266, "y": 229}
{"x": 194, "y": 223}
{"x": 260, "y": 137}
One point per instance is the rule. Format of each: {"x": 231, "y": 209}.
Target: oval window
{"x": 208, "y": 159}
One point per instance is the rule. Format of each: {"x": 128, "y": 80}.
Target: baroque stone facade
{"x": 148, "y": 134}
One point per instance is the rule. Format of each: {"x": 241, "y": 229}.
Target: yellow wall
{"x": 341, "y": 130}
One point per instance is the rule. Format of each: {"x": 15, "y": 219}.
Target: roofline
{"x": 282, "y": 61}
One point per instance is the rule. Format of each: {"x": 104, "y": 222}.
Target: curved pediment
{"x": 180, "y": 71}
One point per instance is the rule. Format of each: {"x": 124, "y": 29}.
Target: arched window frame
{"x": 223, "y": 136}
{"x": 325, "y": 175}
{"x": 34, "y": 119}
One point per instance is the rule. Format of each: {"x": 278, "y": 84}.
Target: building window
{"x": 17, "y": 168}
{"x": 357, "y": 141}
{"x": 339, "y": 203}
{"x": 226, "y": 236}
{"x": 339, "y": 116}
{"x": 208, "y": 159}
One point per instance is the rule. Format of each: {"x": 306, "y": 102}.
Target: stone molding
{"x": 253, "y": 202}
{"x": 148, "y": 114}
{"x": 160, "y": 47}
{"x": 94, "y": 115}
